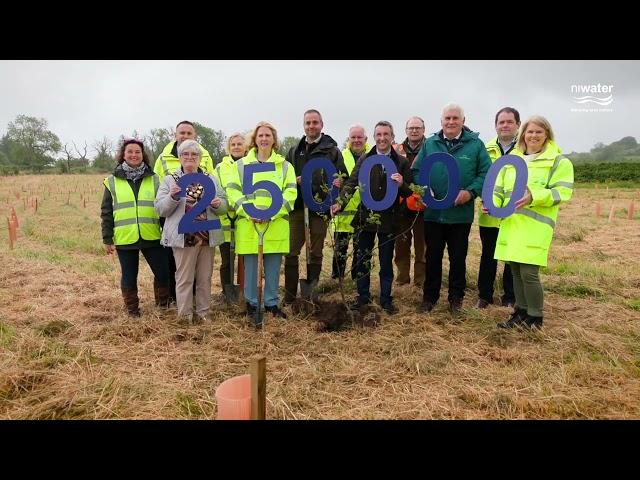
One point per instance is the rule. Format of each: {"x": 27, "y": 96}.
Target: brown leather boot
{"x": 161, "y": 294}
{"x": 131, "y": 301}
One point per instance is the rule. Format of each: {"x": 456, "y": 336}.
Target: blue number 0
{"x": 248, "y": 188}
{"x": 519, "y": 189}
{"x": 306, "y": 184}
{"x": 453, "y": 185}
{"x": 188, "y": 223}
{"x": 364, "y": 177}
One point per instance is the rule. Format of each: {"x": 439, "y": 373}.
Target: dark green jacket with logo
{"x": 474, "y": 163}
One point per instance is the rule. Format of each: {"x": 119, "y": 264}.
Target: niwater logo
{"x": 589, "y": 95}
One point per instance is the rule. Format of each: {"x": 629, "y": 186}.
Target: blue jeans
{"x": 156, "y": 257}
{"x": 385, "y": 255}
{"x": 272, "y": 262}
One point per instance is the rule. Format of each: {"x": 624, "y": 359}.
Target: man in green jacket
{"x": 450, "y": 227}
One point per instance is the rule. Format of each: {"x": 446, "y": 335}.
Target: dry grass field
{"x": 67, "y": 350}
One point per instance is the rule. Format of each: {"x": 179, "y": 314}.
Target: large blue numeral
{"x": 306, "y": 184}
{"x": 453, "y": 187}
{"x": 364, "y": 180}
{"x": 519, "y": 189}
{"x": 248, "y": 187}
{"x": 188, "y": 222}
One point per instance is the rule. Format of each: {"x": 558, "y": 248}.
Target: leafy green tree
{"x": 212, "y": 140}
{"x": 35, "y": 144}
{"x": 287, "y": 143}
{"x": 104, "y": 160}
{"x": 5, "y": 150}
{"x": 156, "y": 140}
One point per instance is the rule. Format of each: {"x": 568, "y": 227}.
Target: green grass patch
{"x": 577, "y": 290}
{"x": 54, "y": 328}
{"x": 188, "y": 406}
{"x": 27, "y": 226}
{"x": 98, "y": 265}
{"x": 578, "y": 268}
{"x": 634, "y": 304}
{"x": 50, "y": 353}
{"x": 7, "y": 334}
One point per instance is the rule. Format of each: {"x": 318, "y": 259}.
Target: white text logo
{"x": 600, "y": 94}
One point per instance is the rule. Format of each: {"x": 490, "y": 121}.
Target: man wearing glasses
{"x": 415, "y": 129}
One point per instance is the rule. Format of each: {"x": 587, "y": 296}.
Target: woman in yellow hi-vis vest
{"x": 263, "y": 147}
{"x": 236, "y": 149}
{"x": 131, "y": 225}
{"x": 525, "y": 236}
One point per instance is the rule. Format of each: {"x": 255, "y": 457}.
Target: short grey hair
{"x": 453, "y": 106}
{"x": 384, "y": 123}
{"x": 414, "y": 118}
{"x": 189, "y": 144}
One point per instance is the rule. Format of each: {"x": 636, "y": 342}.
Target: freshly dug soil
{"x": 335, "y": 316}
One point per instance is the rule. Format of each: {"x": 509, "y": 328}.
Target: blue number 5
{"x": 248, "y": 188}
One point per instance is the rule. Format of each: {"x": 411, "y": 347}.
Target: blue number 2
{"x": 188, "y": 223}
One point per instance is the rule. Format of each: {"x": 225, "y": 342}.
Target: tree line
{"x": 621, "y": 151}
{"x": 29, "y": 146}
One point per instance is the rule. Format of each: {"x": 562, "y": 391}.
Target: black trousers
{"x": 455, "y": 237}
{"x": 489, "y": 268}
{"x": 342, "y": 240}
{"x": 172, "y": 273}
{"x": 385, "y": 256}
{"x": 225, "y": 265}
{"x": 156, "y": 257}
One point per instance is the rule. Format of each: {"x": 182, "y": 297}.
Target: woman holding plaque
{"x": 191, "y": 249}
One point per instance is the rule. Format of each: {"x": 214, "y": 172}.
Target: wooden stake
{"x": 14, "y": 217}
{"x": 258, "y": 388}
{"x": 240, "y": 273}
{"x": 14, "y": 231}
{"x": 36, "y": 206}
{"x": 10, "y": 234}
{"x": 611, "y": 212}
{"x": 598, "y": 209}
{"x": 630, "y": 212}
{"x": 84, "y": 202}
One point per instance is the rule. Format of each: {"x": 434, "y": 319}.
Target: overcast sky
{"x": 85, "y": 100}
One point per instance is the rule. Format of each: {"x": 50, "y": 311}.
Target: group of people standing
{"x": 142, "y": 209}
